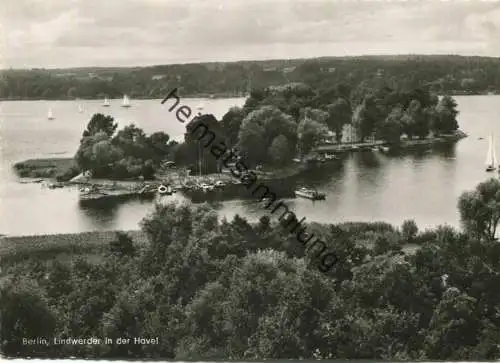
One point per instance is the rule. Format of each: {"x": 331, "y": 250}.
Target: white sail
{"x": 493, "y": 152}
{"x": 126, "y": 101}
{"x": 80, "y": 108}
{"x": 200, "y": 108}
{"x": 491, "y": 155}
{"x": 106, "y": 102}
{"x": 50, "y": 116}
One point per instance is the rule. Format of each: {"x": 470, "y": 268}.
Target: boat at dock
{"x": 219, "y": 184}
{"x": 91, "y": 193}
{"x": 206, "y": 187}
{"x": 55, "y": 185}
{"x": 165, "y": 190}
{"x": 330, "y": 157}
{"x": 385, "y": 149}
{"x": 94, "y": 192}
{"x": 310, "y": 194}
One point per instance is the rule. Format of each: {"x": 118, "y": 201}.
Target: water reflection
{"x": 100, "y": 212}
{"x": 318, "y": 177}
{"x": 367, "y": 159}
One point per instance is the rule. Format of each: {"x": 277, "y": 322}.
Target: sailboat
{"x": 491, "y": 157}
{"x": 200, "y": 108}
{"x": 50, "y": 116}
{"x": 80, "y": 109}
{"x": 106, "y": 103}
{"x": 126, "y": 101}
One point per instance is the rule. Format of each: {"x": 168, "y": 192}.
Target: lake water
{"x": 369, "y": 186}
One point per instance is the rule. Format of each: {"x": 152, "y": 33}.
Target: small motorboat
{"x": 55, "y": 185}
{"x": 220, "y": 184}
{"x": 206, "y": 187}
{"x": 165, "y": 190}
{"x": 384, "y": 149}
{"x": 91, "y": 193}
{"x": 310, "y": 194}
{"x": 330, "y": 157}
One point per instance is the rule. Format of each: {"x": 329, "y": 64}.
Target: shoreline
{"x": 51, "y": 169}
{"x": 217, "y": 96}
{"x": 201, "y": 95}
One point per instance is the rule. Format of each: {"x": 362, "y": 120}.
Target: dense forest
{"x": 274, "y": 126}
{"x": 442, "y": 74}
{"x": 210, "y": 288}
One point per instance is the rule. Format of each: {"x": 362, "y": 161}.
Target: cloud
{"x": 134, "y": 32}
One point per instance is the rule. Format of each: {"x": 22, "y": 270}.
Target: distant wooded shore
{"x": 441, "y": 74}
{"x": 222, "y": 95}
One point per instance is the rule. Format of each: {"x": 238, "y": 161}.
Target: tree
{"x": 100, "y": 123}
{"x": 231, "y": 123}
{"x": 418, "y": 122}
{"x": 339, "y": 114}
{"x": 343, "y": 91}
{"x": 480, "y": 209}
{"x": 409, "y": 230}
{"x": 105, "y": 153}
{"x": 365, "y": 117}
{"x": 98, "y": 154}
{"x": 160, "y": 145}
{"x": 134, "y": 142}
{"x": 85, "y": 153}
{"x": 310, "y": 133}
{"x": 258, "y": 130}
{"x": 454, "y": 328}
{"x": 123, "y": 245}
{"x": 391, "y": 128}
{"x": 407, "y": 124}
{"x": 25, "y": 314}
{"x": 446, "y": 115}
{"x": 314, "y": 114}
{"x": 279, "y": 151}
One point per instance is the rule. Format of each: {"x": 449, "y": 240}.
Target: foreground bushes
{"x": 211, "y": 289}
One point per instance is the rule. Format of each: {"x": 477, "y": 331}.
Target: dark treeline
{"x": 211, "y": 289}
{"x": 443, "y": 74}
{"x": 279, "y": 123}
{"x": 119, "y": 154}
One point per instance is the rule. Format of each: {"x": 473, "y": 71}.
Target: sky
{"x": 81, "y": 33}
